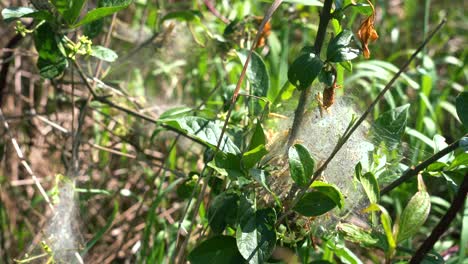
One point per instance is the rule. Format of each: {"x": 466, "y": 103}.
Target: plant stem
{"x": 421, "y": 166}
{"x": 444, "y": 223}
{"x": 325, "y": 17}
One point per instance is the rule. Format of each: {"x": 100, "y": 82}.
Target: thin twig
{"x": 421, "y": 166}
{"x": 443, "y": 224}
{"x": 25, "y": 164}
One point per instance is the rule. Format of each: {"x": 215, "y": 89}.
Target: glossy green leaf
{"x": 331, "y": 191}
{"x": 258, "y": 137}
{"x": 256, "y": 235}
{"x": 326, "y": 77}
{"x": 223, "y": 211}
{"x": 304, "y": 70}
{"x": 371, "y": 186}
{"x": 251, "y": 157}
{"x": 462, "y": 108}
{"x": 12, "y": 13}
{"x": 218, "y": 249}
{"x": 51, "y": 61}
{"x": 390, "y": 125}
{"x": 314, "y": 203}
{"x": 101, "y": 12}
{"x": 257, "y": 74}
{"x": 103, "y": 53}
{"x": 414, "y": 215}
{"x": 301, "y": 164}
{"x": 204, "y": 130}
{"x": 339, "y": 50}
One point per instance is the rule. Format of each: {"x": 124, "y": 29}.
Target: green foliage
{"x": 301, "y": 164}
{"x": 218, "y": 249}
{"x": 153, "y": 167}
{"x": 305, "y": 69}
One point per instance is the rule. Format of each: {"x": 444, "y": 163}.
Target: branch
{"x": 421, "y": 166}
{"x": 325, "y": 17}
{"x": 444, "y": 223}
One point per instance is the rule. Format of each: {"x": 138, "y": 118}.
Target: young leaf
{"x": 371, "y": 186}
{"x": 304, "y": 70}
{"x": 415, "y": 213}
{"x": 219, "y": 249}
{"x": 103, "y": 53}
{"x": 257, "y": 74}
{"x": 223, "y": 211}
{"x": 258, "y": 137}
{"x": 390, "y": 125}
{"x": 314, "y": 203}
{"x": 256, "y": 235}
{"x": 386, "y": 224}
{"x": 73, "y": 12}
{"x": 331, "y": 191}
{"x": 301, "y": 164}
{"x": 462, "y": 107}
{"x": 339, "y": 50}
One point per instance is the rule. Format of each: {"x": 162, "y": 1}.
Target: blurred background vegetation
{"x": 130, "y": 173}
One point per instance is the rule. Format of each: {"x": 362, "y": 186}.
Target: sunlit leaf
{"x": 304, "y": 70}
{"x": 314, "y": 203}
{"x": 301, "y": 164}
{"x": 256, "y": 235}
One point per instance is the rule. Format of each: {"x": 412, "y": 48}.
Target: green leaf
{"x": 256, "y": 235}
{"x": 62, "y": 5}
{"x": 11, "y": 13}
{"x": 390, "y": 125}
{"x": 338, "y": 49}
{"x": 223, "y": 211}
{"x": 73, "y": 12}
{"x": 414, "y": 215}
{"x": 460, "y": 160}
{"x": 219, "y": 249}
{"x": 204, "y": 130}
{"x": 361, "y": 236}
{"x": 103, "y": 53}
{"x": 314, "y": 203}
{"x": 301, "y": 164}
{"x": 257, "y": 74}
{"x": 461, "y": 104}
{"x": 386, "y": 224}
{"x": 326, "y": 77}
{"x": 100, "y": 12}
{"x": 331, "y": 191}
{"x": 183, "y": 15}
{"x": 51, "y": 62}
{"x": 371, "y": 186}
{"x": 304, "y": 69}
{"x": 258, "y": 137}
{"x": 251, "y": 157}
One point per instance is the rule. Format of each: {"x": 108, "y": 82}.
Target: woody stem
{"x": 325, "y": 17}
